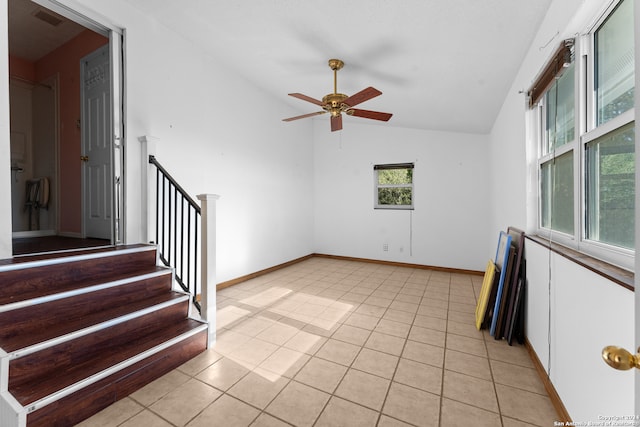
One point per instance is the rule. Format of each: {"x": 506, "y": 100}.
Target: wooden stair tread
{"x": 50, "y": 359}
{"x": 74, "y": 371}
{"x": 47, "y": 276}
{"x": 49, "y": 330}
{"x": 65, "y": 254}
{"x": 81, "y": 329}
{"x": 81, "y": 404}
{"x": 31, "y": 294}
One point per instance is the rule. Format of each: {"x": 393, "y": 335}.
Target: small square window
{"x": 393, "y": 186}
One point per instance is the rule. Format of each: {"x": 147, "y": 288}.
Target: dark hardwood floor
{"x": 34, "y": 245}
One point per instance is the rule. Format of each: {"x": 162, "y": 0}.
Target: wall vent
{"x": 48, "y": 18}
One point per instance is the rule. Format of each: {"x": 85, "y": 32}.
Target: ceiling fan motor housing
{"x": 333, "y": 103}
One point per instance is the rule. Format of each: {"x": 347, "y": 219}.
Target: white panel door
{"x": 97, "y": 139}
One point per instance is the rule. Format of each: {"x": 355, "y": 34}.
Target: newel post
{"x": 208, "y": 265}
{"x": 148, "y": 194}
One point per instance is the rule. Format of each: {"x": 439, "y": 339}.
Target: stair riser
{"x": 16, "y": 326}
{"x": 47, "y": 277}
{"x": 90, "y": 400}
{"x": 105, "y": 344}
{"x": 85, "y": 329}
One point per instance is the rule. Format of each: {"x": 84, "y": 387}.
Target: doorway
{"x": 48, "y": 128}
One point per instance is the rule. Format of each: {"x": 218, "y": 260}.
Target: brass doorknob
{"x": 621, "y": 359}
{"x": 84, "y": 158}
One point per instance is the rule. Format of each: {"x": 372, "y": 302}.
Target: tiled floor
{"x": 342, "y": 343}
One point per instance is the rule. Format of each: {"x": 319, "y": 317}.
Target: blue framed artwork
{"x": 502, "y": 258}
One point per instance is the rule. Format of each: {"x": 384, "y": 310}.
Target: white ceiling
{"x": 441, "y": 64}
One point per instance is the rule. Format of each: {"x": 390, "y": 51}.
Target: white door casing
{"x": 97, "y": 144}
{"x": 636, "y": 8}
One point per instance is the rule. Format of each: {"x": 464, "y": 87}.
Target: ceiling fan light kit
{"x": 337, "y": 103}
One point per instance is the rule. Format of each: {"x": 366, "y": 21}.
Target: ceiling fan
{"x": 337, "y": 103}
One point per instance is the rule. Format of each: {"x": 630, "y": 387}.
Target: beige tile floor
{"x": 342, "y": 343}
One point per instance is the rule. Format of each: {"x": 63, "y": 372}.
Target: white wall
{"x": 586, "y": 312}
{"x": 510, "y": 146}
{"x": 219, "y": 134}
{"x": 216, "y": 133}
{"x": 450, "y": 184}
{"x": 5, "y": 159}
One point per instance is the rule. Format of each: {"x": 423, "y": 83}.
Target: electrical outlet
{"x": 385, "y": 247}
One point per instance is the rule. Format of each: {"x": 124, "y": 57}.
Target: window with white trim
{"x": 583, "y": 102}
{"x": 558, "y": 147}
{"x": 393, "y": 186}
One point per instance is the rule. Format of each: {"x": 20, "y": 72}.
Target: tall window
{"x": 557, "y": 152}
{"x": 614, "y": 66}
{"x": 610, "y": 166}
{"x": 560, "y": 114}
{"x": 586, "y": 162}
{"x": 610, "y": 157}
{"x": 556, "y": 198}
{"x": 393, "y": 186}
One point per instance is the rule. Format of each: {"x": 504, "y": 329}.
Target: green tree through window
{"x": 394, "y": 186}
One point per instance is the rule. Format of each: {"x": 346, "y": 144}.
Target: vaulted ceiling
{"x": 441, "y": 65}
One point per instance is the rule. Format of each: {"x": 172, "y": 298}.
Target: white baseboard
{"x": 33, "y": 233}
{"x": 70, "y": 234}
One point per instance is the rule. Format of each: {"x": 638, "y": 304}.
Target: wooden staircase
{"x": 81, "y": 330}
